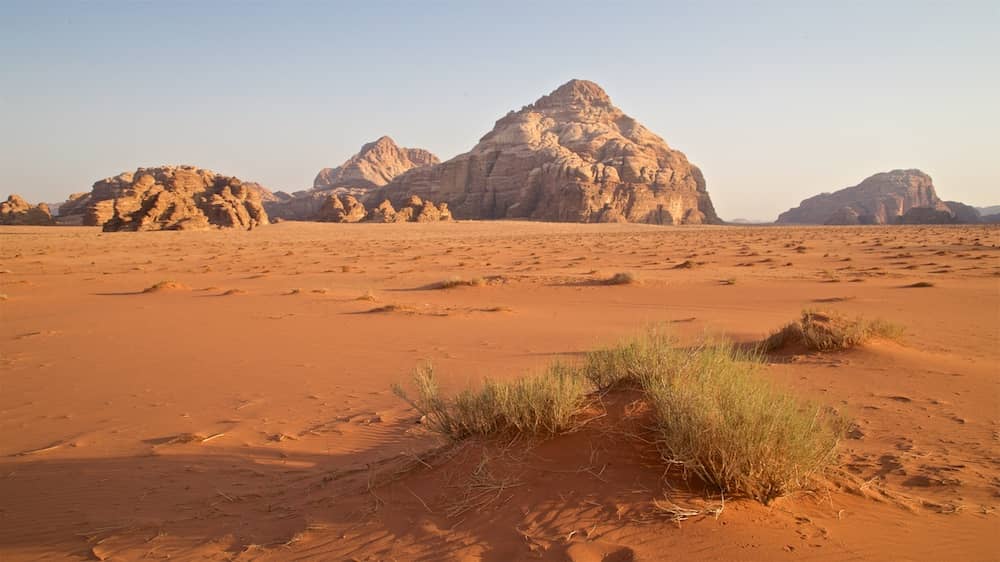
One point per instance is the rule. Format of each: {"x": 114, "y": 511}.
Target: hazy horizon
{"x": 775, "y": 102}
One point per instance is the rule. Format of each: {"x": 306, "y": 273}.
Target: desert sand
{"x": 226, "y": 395}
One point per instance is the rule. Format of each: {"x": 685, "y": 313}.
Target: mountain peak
{"x": 575, "y": 92}
{"x": 383, "y": 142}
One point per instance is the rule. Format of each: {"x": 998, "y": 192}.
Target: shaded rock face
{"x": 571, "y": 156}
{"x": 964, "y": 214}
{"x": 880, "y": 199}
{"x": 375, "y": 165}
{"x": 926, "y": 215}
{"x": 173, "y": 198}
{"x": 15, "y": 210}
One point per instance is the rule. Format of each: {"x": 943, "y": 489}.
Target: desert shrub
{"x": 821, "y": 331}
{"x": 622, "y": 278}
{"x": 715, "y": 416}
{"x": 630, "y": 361}
{"x": 543, "y": 404}
{"x": 719, "y": 419}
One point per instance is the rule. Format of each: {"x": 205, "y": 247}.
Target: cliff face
{"x": 879, "y": 199}
{"x": 376, "y": 164}
{"x": 571, "y": 156}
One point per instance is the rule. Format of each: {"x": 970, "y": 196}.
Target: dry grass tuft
{"x": 166, "y": 286}
{"x": 392, "y": 308}
{"x": 822, "y": 331}
{"x": 543, "y": 404}
{"x": 622, "y": 278}
{"x": 458, "y": 282}
{"x": 716, "y": 417}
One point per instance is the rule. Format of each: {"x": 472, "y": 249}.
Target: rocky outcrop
{"x": 570, "y": 156}
{"x": 173, "y": 198}
{"x": 338, "y": 207}
{"x": 964, "y": 214}
{"x": 375, "y": 165}
{"x": 926, "y": 215}
{"x": 15, "y": 210}
{"x": 97, "y": 207}
{"x": 414, "y": 209}
{"x": 880, "y": 199}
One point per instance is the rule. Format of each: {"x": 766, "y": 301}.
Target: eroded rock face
{"x": 97, "y": 207}
{"x": 15, "y": 210}
{"x": 571, "y": 156}
{"x": 173, "y": 198}
{"x": 414, "y": 209}
{"x": 375, "y": 165}
{"x": 880, "y": 199}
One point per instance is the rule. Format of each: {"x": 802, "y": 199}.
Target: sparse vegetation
{"x": 715, "y": 416}
{"x": 543, "y": 404}
{"x": 718, "y": 419}
{"x": 822, "y": 331}
{"x": 622, "y": 278}
{"x": 458, "y": 282}
{"x": 166, "y": 285}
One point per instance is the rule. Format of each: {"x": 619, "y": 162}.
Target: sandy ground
{"x": 247, "y": 414}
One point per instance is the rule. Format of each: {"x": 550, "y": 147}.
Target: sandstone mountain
{"x": 168, "y": 198}
{"x": 570, "y": 156}
{"x": 879, "y": 199}
{"x": 15, "y": 210}
{"x": 375, "y": 165}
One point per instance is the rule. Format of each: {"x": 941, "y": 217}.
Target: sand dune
{"x": 227, "y": 395}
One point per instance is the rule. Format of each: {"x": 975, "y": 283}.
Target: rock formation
{"x": 97, "y": 207}
{"x": 926, "y": 215}
{"x": 15, "y": 210}
{"x": 964, "y": 214}
{"x": 340, "y": 207}
{"x": 414, "y": 209}
{"x": 880, "y": 199}
{"x": 570, "y": 156}
{"x": 375, "y": 165}
{"x": 170, "y": 198}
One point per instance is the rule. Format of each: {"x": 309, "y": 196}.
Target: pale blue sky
{"x": 775, "y": 101}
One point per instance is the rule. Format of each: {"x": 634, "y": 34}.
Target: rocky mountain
{"x": 15, "y": 210}
{"x": 879, "y": 199}
{"x": 570, "y": 156}
{"x": 375, "y": 165}
{"x": 168, "y": 198}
